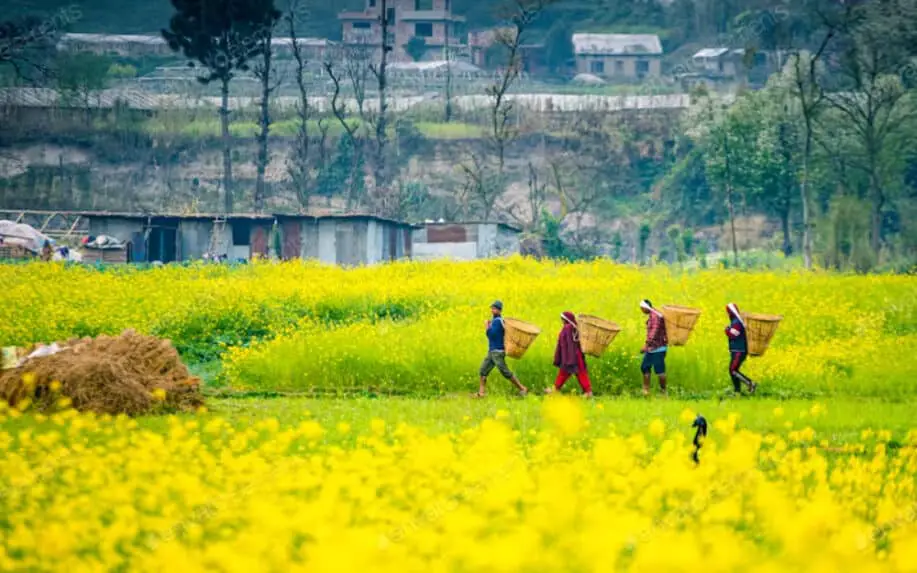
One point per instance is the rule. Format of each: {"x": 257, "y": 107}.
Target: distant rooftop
{"x": 155, "y": 39}
{"x": 707, "y": 53}
{"x": 616, "y": 44}
{"x": 440, "y": 65}
{"x": 114, "y": 38}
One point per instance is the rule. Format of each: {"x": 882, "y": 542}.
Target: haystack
{"x": 124, "y": 374}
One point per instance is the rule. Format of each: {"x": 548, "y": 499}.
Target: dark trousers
{"x": 738, "y": 378}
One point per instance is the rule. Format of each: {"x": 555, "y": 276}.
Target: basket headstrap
{"x": 647, "y": 306}
{"x": 735, "y": 312}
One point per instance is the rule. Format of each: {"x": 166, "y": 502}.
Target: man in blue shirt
{"x": 496, "y": 352}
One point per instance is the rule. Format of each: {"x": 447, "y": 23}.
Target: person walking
{"x": 738, "y": 349}
{"x": 569, "y": 357}
{"x": 655, "y": 347}
{"x": 496, "y": 352}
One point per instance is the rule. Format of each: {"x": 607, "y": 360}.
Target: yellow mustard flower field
{"x": 339, "y": 434}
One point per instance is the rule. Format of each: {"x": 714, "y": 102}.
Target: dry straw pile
{"x": 127, "y": 374}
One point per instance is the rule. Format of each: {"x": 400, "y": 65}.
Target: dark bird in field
{"x": 701, "y": 424}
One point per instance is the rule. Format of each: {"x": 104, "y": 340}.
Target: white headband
{"x": 644, "y": 305}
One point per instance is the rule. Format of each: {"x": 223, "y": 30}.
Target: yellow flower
{"x": 159, "y": 394}
{"x": 657, "y": 428}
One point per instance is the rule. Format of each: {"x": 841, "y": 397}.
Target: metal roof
{"x": 452, "y": 223}
{"x": 441, "y": 65}
{"x": 711, "y": 53}
{"x": 192, "y": 216}
{"x": 616, "y": 44}
{"x": 113, "y": 38}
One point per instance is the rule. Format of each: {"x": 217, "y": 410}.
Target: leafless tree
{"x": 300, "y": 167}
{"x": 269, "y": 84}
{"x": 380, "y": 71}
{"x": 536, "y": 200}
{"x": 352, "y": 132}
{"x": 486, "y": 175}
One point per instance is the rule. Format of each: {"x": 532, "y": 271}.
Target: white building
{"x": 465, "y": 241}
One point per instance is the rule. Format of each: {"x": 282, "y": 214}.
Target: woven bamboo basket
{"x": 518, "y": 336}
{"x": 596, "y": 334}
{"x": 760, "y": 328}
{"x": 679, "y": 322}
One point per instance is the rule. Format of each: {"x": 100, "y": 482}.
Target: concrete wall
{"x": 194, "y": 238}
{"x": 119, "y": 228}
{"x": 627, "y": 68}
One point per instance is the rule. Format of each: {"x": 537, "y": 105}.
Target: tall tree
{"x": 380, "y": 71}
{"x": 728, "y": 140}
{"x": 486, "y": 176}
{"x": 269, "y": 84}
{"x": 27, "y": 45}
{"x": 222, "y": 36}
{"x": 871, "y": 98}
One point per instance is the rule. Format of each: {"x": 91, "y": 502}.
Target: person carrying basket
{"x": 655, "y": 347}
{"x": 569, "y": 357}
{"x": 496, "y": 352}
{"x": 738, "y": 349}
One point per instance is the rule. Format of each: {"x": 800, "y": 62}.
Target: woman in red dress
{"x": 569, "y": 358}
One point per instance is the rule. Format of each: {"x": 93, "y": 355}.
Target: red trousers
{"x": 582, "y": 377}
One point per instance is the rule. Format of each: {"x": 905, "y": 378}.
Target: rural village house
{"x": 618, "y": 56}
{"x": 430, "y": 20}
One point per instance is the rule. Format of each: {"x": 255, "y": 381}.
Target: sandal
{"x": 523, "y": 393}
{"x": 478, "y": 395}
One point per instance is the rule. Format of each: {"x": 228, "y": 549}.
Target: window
{"x": 361, "y": 26}
{"x": 390, "y": 16}
{"x": 423, "y": 4}
{"x": 372, "y": 3}
{"x": 423, "y": 29}
{"x": 619, "y": 68}
{"x": 597, "y": 67}
{"x": 643, "y": 67}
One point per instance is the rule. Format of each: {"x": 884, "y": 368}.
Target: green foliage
{"x": 844, "y": 234}
{"x": 121, "y": 71}
{"x": 416, "y": 47}
{"x": 556, "y": 247}
{"x": 79, "y": 74}
{"x": 642, "y": 239}
{"x": 221, "y": 35}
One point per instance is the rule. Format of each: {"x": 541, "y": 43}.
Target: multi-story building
{"x": 430, "y": 20}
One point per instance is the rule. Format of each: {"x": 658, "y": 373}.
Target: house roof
{"x": 707, "y": 53}
{"x": 210, "y": 216}
{"x": 616, "y": 44}
{"x": 464, "y": 223}
{"x": 440, "y": 65}
{"x": 711, "y": 52}
{"x": 113, "y": 38}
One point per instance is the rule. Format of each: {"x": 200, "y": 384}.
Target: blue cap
{"x": 497, "y": 305}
